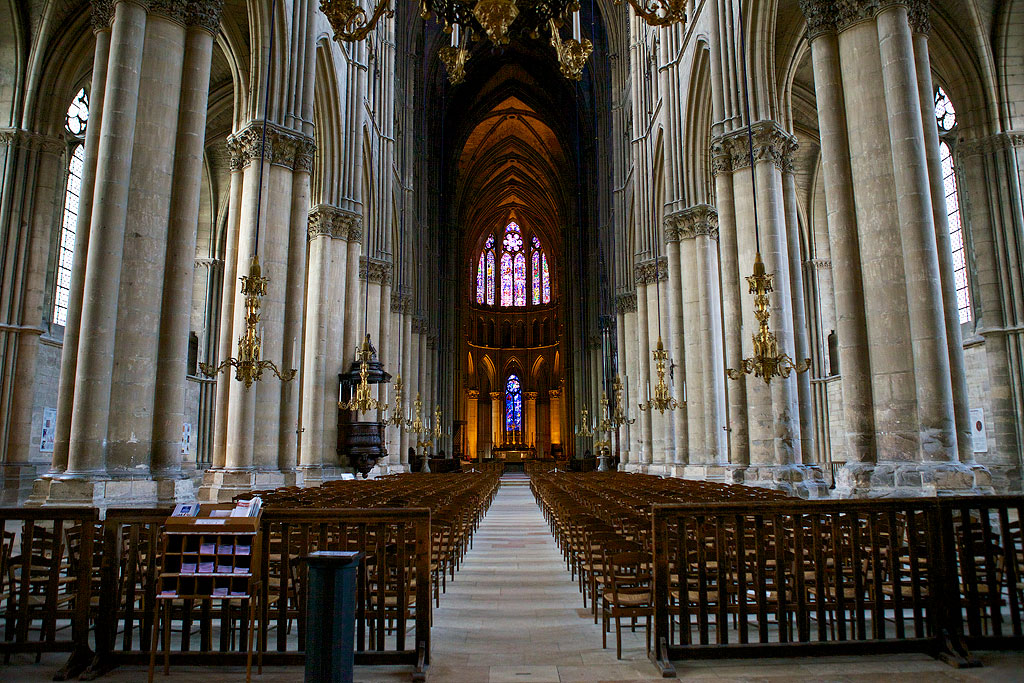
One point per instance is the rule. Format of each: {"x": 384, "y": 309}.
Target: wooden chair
{"x": 628, "y": 592}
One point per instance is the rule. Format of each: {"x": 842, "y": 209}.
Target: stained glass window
{"x": 481, "y": 271}
{"x": 945, "y": 117}
{"x": 75, "y": 122}
{"x": 506, "y": 279}
{"x": 513, "y": 404}
{"x": 490, "y": 278}
{"x": 535, "y": 267}
{"x": 545, "y": 278}
{"x": 519, "y": 285}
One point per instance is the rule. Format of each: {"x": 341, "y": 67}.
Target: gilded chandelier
{"x": 248, "y": 366}
{"x": 662, "y": 400}
{"x": 766, "y": 362}
{"x": 362, "y": 402}
{"x": 497, "y": 20}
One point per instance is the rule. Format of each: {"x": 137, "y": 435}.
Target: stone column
{"x": 642, "y": 275}
{"x": 472, "y": 422}
{"x": 920, "y": 24}
{"x": 144, "y": 250}
{"x": 738, "y": 441}
{"x": 917, "y": 232}
{"x": 407, "y": 369}
{"x": 203, "y": 20}
{"x": 91, "y": 405}
{"x": 555, "y": 413}
{"x": 531, "y": 418}
{"x": 679, "y": 339}
{"x": 627, "y": 305}
{"x": 102, "y": 13}
{"x": 713, "y": 362}
{"x": 844, "y": 247}
{"x": 497, "y": 419}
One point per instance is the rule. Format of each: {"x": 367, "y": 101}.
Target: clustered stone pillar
{"x": 693, "y": 236}
{"x": 767, "y": 420}
{"x": 257, "y": 426}
{"x": 329, "y": 230}
{"x": 496, "y": 419}
{"x": 626, "y": 305}
{"x": 901, "y": 396}
{"x": 119, "y": 436}
{"x": 472, "y": 422}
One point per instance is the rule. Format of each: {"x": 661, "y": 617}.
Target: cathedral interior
{"x": 277, "y": 244}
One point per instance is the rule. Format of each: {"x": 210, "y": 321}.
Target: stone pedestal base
{"x": 911, "y": 479}
{"x": 634, "y": 468}
{"x": 66, "y": 491}
{"x": 1006, "y": 479}
{"x": 311, "y": 476}
{"x": 718, "y": 473}
{"x": 220, "y": 486}
{"x": 17, "y": 480}
{"x": 803, "y": 481}
{"x": 659, "y": 469}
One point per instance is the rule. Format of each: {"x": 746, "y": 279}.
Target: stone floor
{"x": 513, "y": 615}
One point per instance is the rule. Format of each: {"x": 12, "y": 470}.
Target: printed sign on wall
{"x": 979, "y": 438}
{"x": 186, "y": 438}
{"x": 48, "y": 431}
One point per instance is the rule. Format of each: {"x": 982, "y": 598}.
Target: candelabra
{"x": 396, "y": 419}
{"x": 585, "y": 431}
{"x": 662, "y": 400}
{"x": 419, "y": 428}
{"x": 766, "y": 362}
{"x": 248, "y": 366}
{"x": 362, "y": 402}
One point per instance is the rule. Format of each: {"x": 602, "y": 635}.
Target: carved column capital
{"x": 700, "y": 220}
{"x": 472, "y": 394}
{"x": 284, "y": 147}
{"x": 820, "y": 15}
{"x": 175, "y": 10}
{"x": 771, "y": 143}
{"x": 531, "y": 395}
{"x": 626, "y": 303}
{"x": 554, "y": 393}
{"x": 375, "y": 270}
{"x": 331, "y": 221}
{"x": 102, "y": 14}
{"x": 26, "y": 139}
{"x": 205, "y": 14}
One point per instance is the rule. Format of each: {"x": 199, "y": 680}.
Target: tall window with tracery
{"x": 513, "y": 404}
{"x": 510, "y": 271}
{"x": 74, "y": 122}
{"x": 945, "y": 116}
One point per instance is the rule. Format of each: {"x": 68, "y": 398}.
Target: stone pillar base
{"x": 17, "y": 480}
{"x": 221, "y": 485}
{"x": 58, "y": 490}
{"x": 911, "y": 479}
{"x": 718, "y": 473}
{"x": 1006, "y": 479}
{"x": 310, "y": 476}
{"x": 634, "y": 468}
{"x": 803, "y": 481}
{"x": 660, "y": 469}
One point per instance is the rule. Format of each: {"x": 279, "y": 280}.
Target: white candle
{"x": 576, "y": 25}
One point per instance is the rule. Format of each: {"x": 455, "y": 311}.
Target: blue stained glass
{"x": 480, "y": 280}
{"x": 513, "y": 404}
{"x": 519, "y": 284}
{"x": 535, "y": 267}
{"x": 490, "y": 278}
{"x": 506, "y": 279}
{"x": 546, "y": 278}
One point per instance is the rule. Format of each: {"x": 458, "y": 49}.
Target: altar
{"x": 514, "y": 453}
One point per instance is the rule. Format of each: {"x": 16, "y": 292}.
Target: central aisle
{"x": 514, "y": 614}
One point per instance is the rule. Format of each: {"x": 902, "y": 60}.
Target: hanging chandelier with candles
{"x": 499, "y": 21}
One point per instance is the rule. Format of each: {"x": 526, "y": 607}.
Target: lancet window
{"x": 522, "y": 275}
{"x": 74, "y": 122}
{"x": 945, "y": 116}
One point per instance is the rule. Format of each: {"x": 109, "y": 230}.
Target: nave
{"x": 513, "y": 613}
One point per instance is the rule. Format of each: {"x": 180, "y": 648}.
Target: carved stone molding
{"x": 205, "y": 14}
{"x": 834, "y": 16}
{"x": 331, "y": 221}
{"x": 432, "y": 343}
{"x": 175, "y": 10}
{"x": 102, "y": 14}
{"x": 731, "y": 152}
{"x": 375, "y": 270}
{"x": 625, "y": 303}
{"x": 695, "y": 221}
{"x": 24, "y": 139}
{"x": 820, "y": 263}
{"x": 284, "y": 147}
{"x": 990, "y": 144}
{"x": 650, "y": 271}
{"x": 401, "y": 303}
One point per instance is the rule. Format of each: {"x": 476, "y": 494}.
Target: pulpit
{"x": 361, "y": 435}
